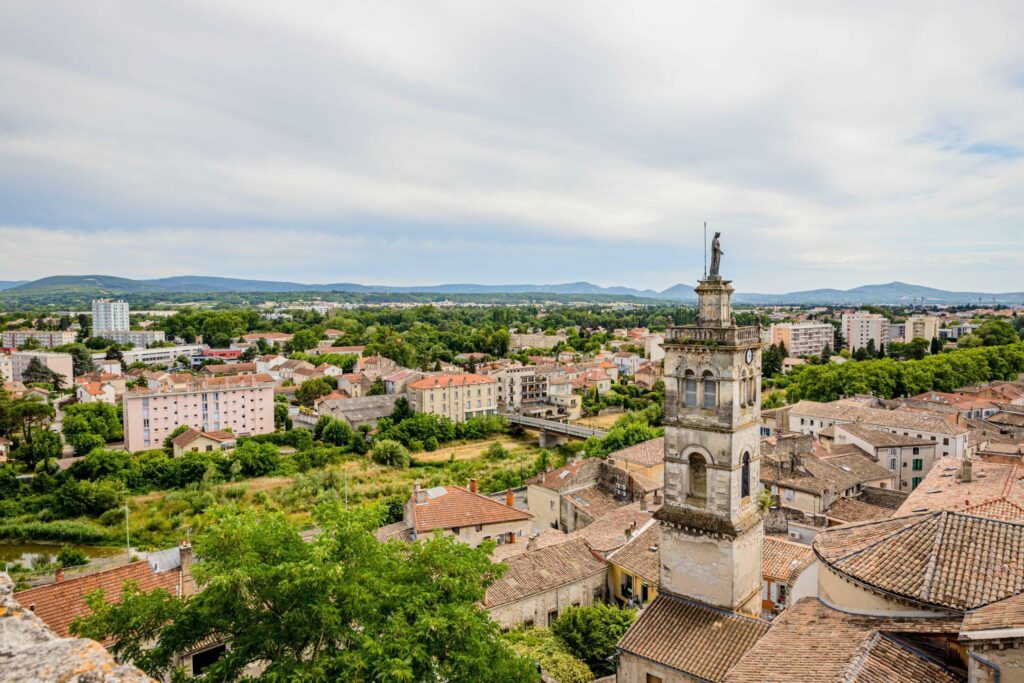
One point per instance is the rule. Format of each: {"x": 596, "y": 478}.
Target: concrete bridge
{"x": 552, "y": 432}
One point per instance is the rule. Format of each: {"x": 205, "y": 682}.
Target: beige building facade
{"x": 862, "y": 327}
{"x": 803, "y": 339}
{"x": 457, "y": 397}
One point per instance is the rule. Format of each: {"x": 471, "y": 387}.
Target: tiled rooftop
{"x": 538, "y": 571}
{"x": 646, "y": 453}
{"x": 640, "y": 556}
{"x": 447, "y": 507}
{"x": 780, "y": 558}
{"x": 812, "y": 643}
{"x": 924, "y": 558}
{"x": 853, "y": 510}
{"x": 996, "y": 490}
{"x": 693, "y": 637}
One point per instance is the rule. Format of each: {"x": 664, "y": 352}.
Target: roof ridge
{"x": 854, "y": 668}
{"x": 930, "y": 572}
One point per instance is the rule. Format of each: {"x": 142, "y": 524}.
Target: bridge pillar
{"x": 551, "y": 439}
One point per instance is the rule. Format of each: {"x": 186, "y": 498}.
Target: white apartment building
{"x": 861, "y": 327}
{"x": 921, "y": 326}
{"x": 540, "y": 340}
{"x": 243, "y": 404}
{"x": 457, "y": 397}
{"x": 46, "y": 338}
{"x": 133, "y": 337}
{"x": 803, "y": 339}
{"x": 654, "y": 347}
{"x": 519, "y": 385}
{"x": 159, "y": 356}
{"x": 109, "y": 315}
{"x": 6, "y": 370}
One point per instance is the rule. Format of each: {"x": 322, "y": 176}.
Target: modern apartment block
{"x": 520, "y": 386}
{"x": 46, "y": 338}
{"x": 133, "y": 337}
{"x": 243, "y": 404}
{"x": 457, "y": 397}
{"x": 861, "y": 327}
{"x": 159, "y": 356}
{"x": 109, "y": 315}
{"x": 921, "y": 326}
{"x": 61, "y": 363}
{"x": 803, "y": 339}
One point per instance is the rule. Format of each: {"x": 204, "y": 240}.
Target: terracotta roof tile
{"x": 923, "y": 558}
{"x": 813, "y": 643}
{"x": 447, "y": 507}
{"x": 637, "y": 556}
{"x": 996, "y": 490}
{"x": 852, "y": 510}
{"x": 780, "y": 558}
{"x": 1005, "y": 614}
{"x": 646, "y": 453}
{"x": 538, "y": 571}
{"x": 695, "y": 638}
{"x": 59, "y": 604}
{"x": 439, "y": 381}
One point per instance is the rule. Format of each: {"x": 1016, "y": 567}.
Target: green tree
{"x": 37, "y": 373}
{"x": 540, "y": 645}
{"x": 303, "y": 340}
{"x": 591, "y": 633}
{"x": 81, "y": 357}
{"x": 91, "y": 425}
{"x": 312, "y": 389}
{"x": 997, "y": 333}
{"x": 336, "y": 432}
{"x": 390, "y": 453}
{"x": 377, "y": 388}
{"x": 826, "y": 354}
{"x": 256, "y": 459}
{"x": 935, "y": 346}
{"x": 402, "y": 410}
{"x": 340, "y": 607}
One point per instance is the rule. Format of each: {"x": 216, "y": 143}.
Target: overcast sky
{"x": 833, "y": 143}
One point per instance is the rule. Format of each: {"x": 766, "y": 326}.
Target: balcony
{"x": 713, "y": 336}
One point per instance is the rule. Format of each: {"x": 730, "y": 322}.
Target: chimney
{"x": 657, "y": 497}
{"x": 472, "y": 485}
{"x": 531, "y": 543}
{"x": 186, "y": 585}
{"x": 966, "y": 473}
{"x": 510, "y": 498}
{"x": 58, "y": 575}
{"x": 421, "y": 495}
{"x": 643, "y": 502}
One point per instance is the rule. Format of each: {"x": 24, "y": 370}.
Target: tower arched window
{"x": 697, "y": 492}
{"x": 710, "y": 399}
{"x": 690, "y": 389}
{"x": 745, "y": 482}
{"x": 743, "y": 389}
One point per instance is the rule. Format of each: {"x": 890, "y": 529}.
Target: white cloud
{"x": 831, "y": 143}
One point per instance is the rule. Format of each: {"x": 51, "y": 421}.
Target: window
{"x": 892, "y": 463}
{"x": 204, "y": 659}
{"x": 710, "y": 399}
{"x": 918, "y": 464}
{"x": 698, "y": 478}
{"x": 651, "y": 678}
{"x": 691, "y": 390}
{"x": 945, "y": 441}
{"x": 479, "y": 527}
{"x": 644, "y": 593}
{"x": 782, "y": 593}
{"x": 745, "y": 483}
{"x": 916, "y": 450}
{"x": 552, "y": 615}
{"x": 914, "y": 482}
{"x": 627, "y": 585}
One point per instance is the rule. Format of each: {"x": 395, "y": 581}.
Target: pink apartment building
{"x": 243, "y": 404}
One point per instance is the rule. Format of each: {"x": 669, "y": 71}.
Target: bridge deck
{"x": 556, "y": 427}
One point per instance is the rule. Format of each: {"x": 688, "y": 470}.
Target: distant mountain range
{"x": 893, "y": 293}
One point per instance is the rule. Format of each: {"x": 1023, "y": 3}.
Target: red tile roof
{"x": 538, "y": 571}
{"x": 693, "y": 637}
{"x": 59, "y": 604}
{"x": 447, "y": 507}
{"x": 646, "y": 453}
{"x": 463, "y": 380}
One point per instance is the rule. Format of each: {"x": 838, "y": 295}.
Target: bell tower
{"x": 711, "y": 531}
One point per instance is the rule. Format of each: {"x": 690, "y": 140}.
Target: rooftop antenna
{"x": 705, "y": 250}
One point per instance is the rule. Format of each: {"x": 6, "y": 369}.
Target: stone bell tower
{"x": 711, "y": 532}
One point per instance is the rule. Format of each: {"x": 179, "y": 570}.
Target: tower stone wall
{"x": 711, "y": 532}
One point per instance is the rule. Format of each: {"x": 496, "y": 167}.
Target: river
{"x": 28, "y": 554}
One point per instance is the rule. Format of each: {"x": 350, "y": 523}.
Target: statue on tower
{"x": 716, "y": 256}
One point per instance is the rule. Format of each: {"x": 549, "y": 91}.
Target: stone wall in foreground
{"x": 31, "y": 653}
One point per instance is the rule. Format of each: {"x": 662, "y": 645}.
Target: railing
{"x": 555, "y": 426}
{"x": 713, "y": 336}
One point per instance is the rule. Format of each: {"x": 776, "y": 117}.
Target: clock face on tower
{"x": 749, "y": 357}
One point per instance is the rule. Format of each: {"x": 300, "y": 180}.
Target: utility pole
{"x": 127, "y": 534}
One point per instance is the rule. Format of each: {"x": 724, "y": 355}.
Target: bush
{"x": 540, "y": 645}
{"x": 497, "y": 452}
{"x": 79, "y": 533}
{"x": 390, "y": 453}
{"x": 256, "y": 459}
{"x": 71, "y": 557}
{"x": 591, "y": 633}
